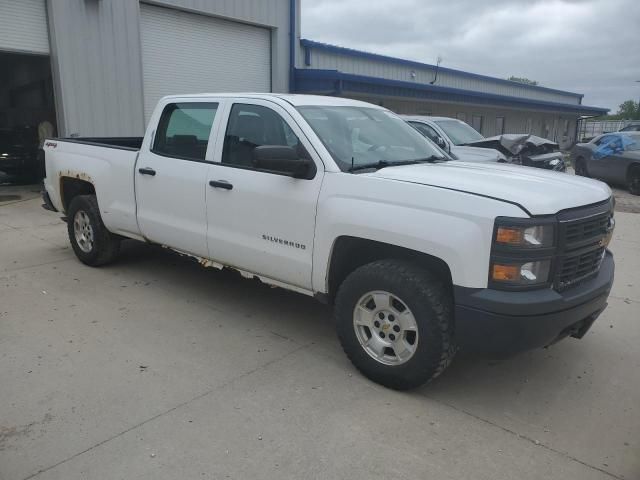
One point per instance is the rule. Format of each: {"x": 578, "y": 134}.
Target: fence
{"x": 592, "y": 128}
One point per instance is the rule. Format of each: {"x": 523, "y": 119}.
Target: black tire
{"x": 104, "y": 246}
{"x": 581, "y": 167}
{"x": 429, "y": 301}
{"x": 633, "y": 180}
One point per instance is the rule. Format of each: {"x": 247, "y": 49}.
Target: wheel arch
{"x": 349, "y": 253}
{"x": 72, "y": 186}
{"x": 580, "y": 158}
{"x": 635, "y": 166}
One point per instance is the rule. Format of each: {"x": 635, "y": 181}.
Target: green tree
{"x": 524, "y": 80}
{"x": 629, "y": 110}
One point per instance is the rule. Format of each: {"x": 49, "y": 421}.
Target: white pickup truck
{"x": 344, "y": 201}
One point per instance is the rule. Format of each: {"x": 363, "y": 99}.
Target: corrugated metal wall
{"x": 329, "y": 60}
{"x": 23, "y": 26}
{"x": 97, "y": 60}
{"x": 268, "y": 13}
{"x": 242, "y": 64}
{"x": 97, "y": 67}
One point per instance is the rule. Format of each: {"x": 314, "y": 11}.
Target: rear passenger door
{"x": 171, "y": 177}
{"x": 260, "y": 221}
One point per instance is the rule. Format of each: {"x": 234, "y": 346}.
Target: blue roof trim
{"x": 410, "y": 63}
{"x": 334, "y": 82}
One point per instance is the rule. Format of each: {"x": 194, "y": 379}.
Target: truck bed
{"x": 107, "y": 164}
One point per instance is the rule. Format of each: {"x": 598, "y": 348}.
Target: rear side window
{"x": 183, "y": 131}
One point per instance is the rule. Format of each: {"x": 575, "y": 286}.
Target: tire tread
{"x": 426, "y": 286}
{"x": 106, "y": 243}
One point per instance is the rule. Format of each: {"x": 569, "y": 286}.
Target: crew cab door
{"x": 262, "y": 221}
{"x": 171, "y": 177}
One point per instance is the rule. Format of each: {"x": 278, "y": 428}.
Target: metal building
{"x": 491, "y": 105}
{"x": 97, "y": 67}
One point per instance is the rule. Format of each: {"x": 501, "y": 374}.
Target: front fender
{"x": 453, "y": 226}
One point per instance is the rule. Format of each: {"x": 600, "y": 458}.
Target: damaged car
{"x": 612, "y": 157}
{"x": 465, "y": 143}
{"x": 527, "y": 150}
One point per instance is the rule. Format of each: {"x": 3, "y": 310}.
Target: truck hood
{"x": 476, "y": 154}
{"x": 539, "y": 192}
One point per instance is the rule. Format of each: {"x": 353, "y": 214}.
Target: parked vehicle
{"x": 612, "y": 157}
{"x": 342, "y": 200}
{"x": 19, "y": 153}
{"x": 452, "y": 136}
{"x": 467, "y": 144}
{"x": 632, "y": 127}
{"x": 527, "y": 150}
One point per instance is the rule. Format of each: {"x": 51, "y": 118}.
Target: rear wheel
{"x": 92, "y": 243}
{"x": 581, "y": 167}
{"x": 633, "y": 180}
{"x": 395, "y": 323}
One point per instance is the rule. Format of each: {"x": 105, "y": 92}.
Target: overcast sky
{"x": 584, "y": 46}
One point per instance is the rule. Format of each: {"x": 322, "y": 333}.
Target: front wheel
{"x": 581, "y": 167}
{"x": 92, "y": 243}
{"x": 633, "y": 181}
{"x": 395, "y": 323}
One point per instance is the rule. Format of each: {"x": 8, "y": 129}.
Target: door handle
{"x": 221, "y": 184}
{"x": 147, "y": 171}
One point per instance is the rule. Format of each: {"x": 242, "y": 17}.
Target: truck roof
{"x": 293, "y": 99}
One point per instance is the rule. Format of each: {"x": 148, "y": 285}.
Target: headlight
{"x": 554, "y": 162}
{"x": 522, "y": 236}
{"x": 521, "y": 253}
{"x": 521, "y": 274}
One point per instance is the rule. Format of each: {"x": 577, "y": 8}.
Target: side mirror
{"x": 442, "y": 144}
{"x": 284, "y": 160}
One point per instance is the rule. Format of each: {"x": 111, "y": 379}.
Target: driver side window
{"x": 252, "y": 126}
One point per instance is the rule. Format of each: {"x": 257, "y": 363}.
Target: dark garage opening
{"x": 27, "y": 113}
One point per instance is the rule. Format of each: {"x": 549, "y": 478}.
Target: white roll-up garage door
{"x": 189, "y": 53}
{"x": 23, "y": 26}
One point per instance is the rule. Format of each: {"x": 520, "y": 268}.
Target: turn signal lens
{"x": 509, "y": 236}
{"x": 505, "y": 273}
{"x": 529, "y": 273}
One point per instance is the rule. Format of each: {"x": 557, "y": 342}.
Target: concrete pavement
{"x": 157, "y": 368}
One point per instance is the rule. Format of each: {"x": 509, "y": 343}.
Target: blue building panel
{"x": 333, "y": 82}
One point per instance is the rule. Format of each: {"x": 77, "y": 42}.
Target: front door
{"x": 597, "y": 167}
{"x": 171, "y": 178}
{"x": 260, "y": 221}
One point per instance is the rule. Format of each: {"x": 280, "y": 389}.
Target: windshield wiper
{"x": 385, "y": 163}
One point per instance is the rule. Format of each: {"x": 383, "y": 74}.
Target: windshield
{"x": 366, "y": 136}
{"x": 459, "y": 132}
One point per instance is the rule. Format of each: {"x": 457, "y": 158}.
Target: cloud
{"x": 584, "y": 46}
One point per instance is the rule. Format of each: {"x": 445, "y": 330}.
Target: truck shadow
{"x": 472, "y": 377}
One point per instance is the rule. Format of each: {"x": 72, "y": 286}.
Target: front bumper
{"x": 504, "y": 323}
